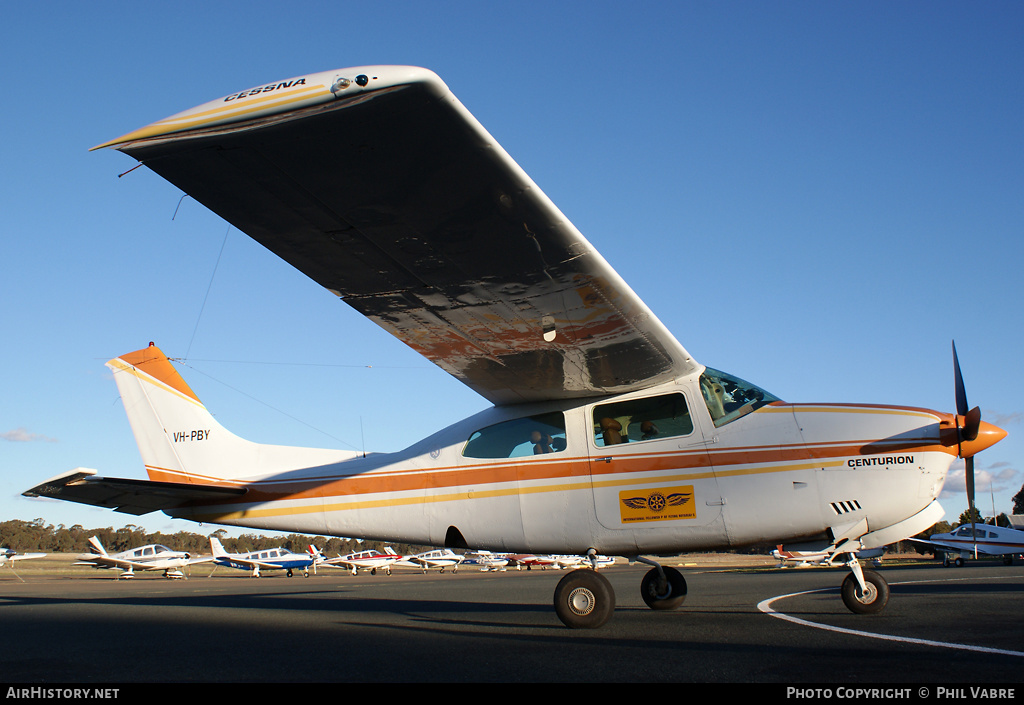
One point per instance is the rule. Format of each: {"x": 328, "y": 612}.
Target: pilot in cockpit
{"x": 541, "y": 442}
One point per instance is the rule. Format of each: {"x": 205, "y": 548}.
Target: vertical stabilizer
{"x": 216, "y": 548}
{"x": 180, "y": 441}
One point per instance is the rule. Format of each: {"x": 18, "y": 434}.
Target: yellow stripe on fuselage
{"x": 314, "y": 507}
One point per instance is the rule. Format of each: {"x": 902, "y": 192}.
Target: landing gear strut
{"x": 663, "y": 588}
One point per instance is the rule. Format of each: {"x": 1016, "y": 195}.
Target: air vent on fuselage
{"x": 850, "y": 505}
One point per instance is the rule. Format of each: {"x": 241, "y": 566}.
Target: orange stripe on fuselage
{"x": 695, "y": 463}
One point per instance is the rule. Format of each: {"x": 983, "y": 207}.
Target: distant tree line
{"x": 37, "y": 535}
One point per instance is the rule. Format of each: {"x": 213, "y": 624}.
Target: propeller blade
{"x": 969, "y": 477}
{"x": 969, "y": 465}
{"x": 961, "y": 393}
{"x": 972, "y": 424}
{"x": 968, "y": 432}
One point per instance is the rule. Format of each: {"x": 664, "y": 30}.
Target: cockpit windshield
{"x": 729, "y": 398}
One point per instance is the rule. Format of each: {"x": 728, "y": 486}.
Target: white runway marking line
{"x": 765, "y": 606}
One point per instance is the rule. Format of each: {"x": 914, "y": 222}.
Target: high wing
{"x": 128, "y": 496}
{"x": 378, "y": 184}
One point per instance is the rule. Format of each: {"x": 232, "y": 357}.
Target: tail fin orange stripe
{"x": 155, "y": 364}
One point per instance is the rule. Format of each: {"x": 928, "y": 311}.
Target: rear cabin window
{"x": 519, "y": 438}
{"x": 665, "y": 416}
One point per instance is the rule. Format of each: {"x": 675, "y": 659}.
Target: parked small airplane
{"x": 486, "y": 560}
{"x": 8, "y": 556}
{"x": 266, "y": 559}
{"x": 816, "y": 555}
{"x": 596, "y": 562}
{"x": 530, "y": 561}
{"x": 967, "y": 541}
{"x": 370, "y": 560}
{"x": 606, "y": 435}
{"x": 151, "y": 557}
{"x": 440, "y": 558}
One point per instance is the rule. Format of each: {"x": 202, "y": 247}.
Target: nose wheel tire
{"x": 584, "y": 599}
{"x": 663, "y": 594}
{"x": 869, "y": 601}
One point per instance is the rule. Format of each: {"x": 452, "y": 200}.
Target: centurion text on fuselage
{"x": 884, "y": 460}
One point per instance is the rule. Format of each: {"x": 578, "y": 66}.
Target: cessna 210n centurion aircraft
{"x": 606, "y": 436}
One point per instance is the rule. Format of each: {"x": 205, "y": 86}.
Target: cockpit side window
{"x": 966, "y": 531}
{"x": 729, "y": 398}
{"x": 664, "y": 416}
{"x": 519, "y": 438}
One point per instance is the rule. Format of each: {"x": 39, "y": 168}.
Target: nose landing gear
{"x": 864, "y": 591}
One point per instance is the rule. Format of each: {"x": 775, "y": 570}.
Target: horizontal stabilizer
{"x": 128, "y": 496}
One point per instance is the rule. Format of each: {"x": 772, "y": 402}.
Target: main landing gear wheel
{"x": 584, "y": 599}
{"x": 663, "y": 593}
{"x": 870, "y": 601}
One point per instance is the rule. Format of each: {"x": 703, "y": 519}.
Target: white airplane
{"x": 596, "y": 561}
{"x": 530, "y": 561}
{"x": 969, "y": 540}
{"x": 370, "y": 560}
{"x": 486, "y": 560}
{"x": 606, "y": 436}
{"x": 151, "y": 557}
{"x": 8, "y": 556}
{"x": 440, "y": 558}
{"x": 816, "y": 555}
{"x": 266, "y": 559}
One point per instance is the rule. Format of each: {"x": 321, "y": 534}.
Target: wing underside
{"x": 397, "y": 200}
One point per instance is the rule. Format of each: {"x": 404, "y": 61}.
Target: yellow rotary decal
{"x": 658, "y": 504}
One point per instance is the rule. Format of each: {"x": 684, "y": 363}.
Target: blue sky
{"x": 816, "y": 197}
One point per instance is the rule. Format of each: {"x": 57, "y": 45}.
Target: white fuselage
{"x": 782, "y": 473}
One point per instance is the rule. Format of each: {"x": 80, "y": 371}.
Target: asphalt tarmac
{"x": 942, "y": 626}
